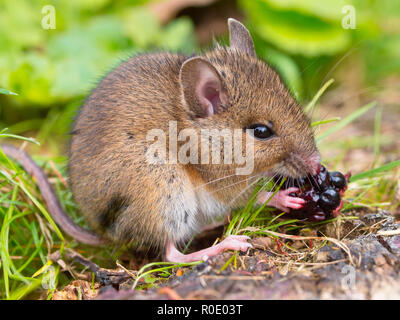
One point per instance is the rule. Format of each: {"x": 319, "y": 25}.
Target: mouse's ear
{"x": 203, "y": 88}
{"x": 240, "y": 38}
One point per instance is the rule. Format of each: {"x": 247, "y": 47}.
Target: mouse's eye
{"x": 262, "y": 131}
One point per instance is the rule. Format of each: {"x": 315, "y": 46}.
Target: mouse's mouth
{"x": 290, "y": 170}
{"x": 293, "y": 176}
{"x": 297, "y": 166}
{"x": 278, "y": 176}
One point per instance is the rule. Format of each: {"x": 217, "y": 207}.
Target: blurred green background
{"x": 52, "y": 70}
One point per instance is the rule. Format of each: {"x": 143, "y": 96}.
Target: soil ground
{"x": 369, "y": 270}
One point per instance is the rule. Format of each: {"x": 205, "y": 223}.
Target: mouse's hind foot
{"x": 230, "y": 243}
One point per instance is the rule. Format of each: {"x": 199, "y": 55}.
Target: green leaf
{"x": 177, "y": 35}
{"x": 296, "y": 32}
{"x": 287, "y": 68}
{"x": 32, "y": 75}
{"x": 327, "y": 9}
{"x": 141, "y": 26}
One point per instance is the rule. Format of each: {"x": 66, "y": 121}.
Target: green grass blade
{"x": 37, "y": 204}
{"x": 14, "y": 136}
{"x": 318, "y": 123}
{"x": 169, "y": 265}
{"x": 350, "y": 118}
{"x": 374, "y": 172}
{"x": 318, "y": 95}
{"x": 8, "y": 92}
{"x": 255, "y": 215}
{"x": 23, "y": 291}
{"x": 227, "y": 263}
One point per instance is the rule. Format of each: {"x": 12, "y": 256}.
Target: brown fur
{"x": 129, "y": 201}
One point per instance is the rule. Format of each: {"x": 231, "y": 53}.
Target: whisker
{"x": 266, "y": 183}
{"x": 315, "y": 181}
{"x": 278, "y": 181}
{"x": 301, "y": 182}
{"x": 355, "y": 47}
{"x": 215, "y": 180}
{"x": 241, "y": 193}
{"x": 230, "y": 185}
{"x": 212, "y": 170}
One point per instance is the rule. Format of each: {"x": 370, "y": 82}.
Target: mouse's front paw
{"x": 282, "y": 200}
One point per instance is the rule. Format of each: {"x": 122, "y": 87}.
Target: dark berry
{"x": 321, "y": 181}
{"x": 321, "y": 192}
{"x": 311, "y": 195}
{"x": 318, "y": 215}
{"x": 329, "y": 200}
{"x": 338, "y": 180}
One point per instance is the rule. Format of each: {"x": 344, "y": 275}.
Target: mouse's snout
{"x": 298, "y": 164}
{"x": 313, "y": 163}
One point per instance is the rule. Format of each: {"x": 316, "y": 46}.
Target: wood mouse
{"x": 127, "y": 200}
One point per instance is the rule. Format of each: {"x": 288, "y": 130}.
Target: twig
{"x": 339, "y": 243}
{"x": 388, "y": 232}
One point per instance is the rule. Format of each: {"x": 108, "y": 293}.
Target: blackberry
{"x": 322, "y": 194}
{"x": 338, "y": 179}
{"x": 329, "y": 199}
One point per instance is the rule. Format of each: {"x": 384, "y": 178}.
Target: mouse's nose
{"x": 314, "y": 163}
